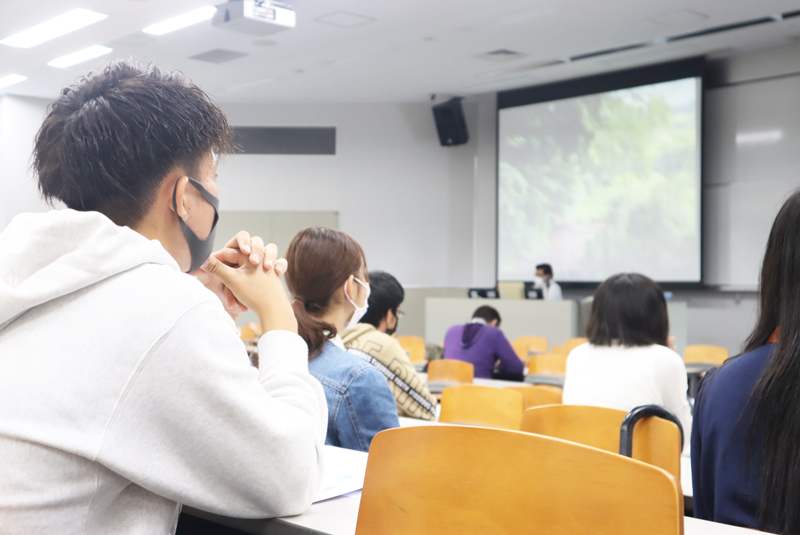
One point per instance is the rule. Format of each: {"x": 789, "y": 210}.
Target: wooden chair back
{"x": 572, "y": 343}
{"x": 536, "y": 344}
{"x": 559, "y": 350}
{"x": 451, "y": 371}
{"x": 494, "y": 482}
{"x": 655, "y": 441}
{"x": 548, "y": 364}
{"x": 538, "y": 395}
{"x": 521, "y": 349}
{"x": 414, "y": 346}
{"x": 705, "y": 354}
{"x": 482, "y": 405}
{"x": 247, "y": 334}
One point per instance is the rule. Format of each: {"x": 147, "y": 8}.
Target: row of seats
{"x": 527, "y": 346}
{"x": 537, "y": 409}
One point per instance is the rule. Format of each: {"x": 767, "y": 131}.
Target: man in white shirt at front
{"x": 124, "y": 388}
{"x": 550, "y": 289}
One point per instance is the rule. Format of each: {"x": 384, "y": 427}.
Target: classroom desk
{"x": 338, "y": 516}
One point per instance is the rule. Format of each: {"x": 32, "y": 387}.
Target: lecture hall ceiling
{"x": 389, "y": 51}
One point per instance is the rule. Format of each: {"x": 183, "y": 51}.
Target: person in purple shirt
{"x": 483, "y": 344}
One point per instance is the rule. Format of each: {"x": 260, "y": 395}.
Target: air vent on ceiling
{"x": 218, "y": 55}
{"x": 502, "y": 54}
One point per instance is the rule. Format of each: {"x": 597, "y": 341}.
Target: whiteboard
{"x": 752, "y": 164}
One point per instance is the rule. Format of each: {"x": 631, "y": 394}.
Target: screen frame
{"x": 695, "y": 67}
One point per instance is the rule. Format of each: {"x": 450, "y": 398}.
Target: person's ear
{"x": 388, "y": 318}
{"x": 493, "y": 323}
{"x": 180, "y": 199}
{"x": 351, "y": 289}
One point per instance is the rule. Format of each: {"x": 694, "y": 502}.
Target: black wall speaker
{"x": 450, "y": 123}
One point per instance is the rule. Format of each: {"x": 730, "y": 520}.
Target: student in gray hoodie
{"x": 124, "y": 388}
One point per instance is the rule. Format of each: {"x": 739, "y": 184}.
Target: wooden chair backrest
{"x": 521, "y": 349}
{"x": 559, "y": 350}
{"x": 548, "y": 364}
{"x": 482, "y": 405}
{"x": 256, "y": 327}
{"x": 538, "y": 395}
{"x": 451, "y": 370}
{"x": 705, "y": 354}
{"x": 414, "y": 346}
{"x": 655, "y": 441}
{"x": 536, "y": 344}
{"x": 492, "y": 482}
{"x": 572, "y": 343}
{"x": 247, "y": 334}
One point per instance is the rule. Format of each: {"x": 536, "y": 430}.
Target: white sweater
{"x": 125, "y": 390}
{"x": 625, "y": 377}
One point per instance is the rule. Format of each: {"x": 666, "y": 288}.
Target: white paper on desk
{"x": 344, "y": 472}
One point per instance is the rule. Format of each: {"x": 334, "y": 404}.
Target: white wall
{"x": 20, "y": 118}
{"x": 409, "y": 201}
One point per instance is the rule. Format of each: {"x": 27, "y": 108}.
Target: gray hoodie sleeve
{"x": 198, "y": 425}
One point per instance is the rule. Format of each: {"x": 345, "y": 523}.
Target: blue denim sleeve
{"x": 370, "y": 408}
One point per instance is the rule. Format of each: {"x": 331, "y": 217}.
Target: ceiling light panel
{"x": 11, "y": 79}
{"x": 80, "y": 56}
{"x": 344, "y": 19}
{"x": 181, "y": 21}
{"x": 61, "y": 25}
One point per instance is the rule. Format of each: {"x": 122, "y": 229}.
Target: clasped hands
{"x": 245, "y": 275}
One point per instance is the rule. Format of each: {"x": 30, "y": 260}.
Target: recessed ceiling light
{"x": 61, "y": 25}
{"x": 181, "y": 21}
{"x": 80, "y": 56}
{"x": 345, "y": 19}
{"x": 12, "y": 79}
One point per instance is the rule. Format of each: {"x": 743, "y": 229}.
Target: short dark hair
{"x": 629, "y": 309}
{"x": 547, "y": 268}
{"x": 386, "y": 294}
{"x": 109, "y": 139}
{"x": 487, "y": 314}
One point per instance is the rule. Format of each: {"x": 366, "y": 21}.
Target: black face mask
{"x": 200, "y": 249}
{"x": 391, "y": 331}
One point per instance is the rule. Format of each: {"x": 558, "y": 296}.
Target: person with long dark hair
{"x": 329, "y": 283}
{"x": 745, "y": 454}
{"x": 627, "y": 361}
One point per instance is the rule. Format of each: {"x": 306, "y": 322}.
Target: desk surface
{"x": 340, "y": 515}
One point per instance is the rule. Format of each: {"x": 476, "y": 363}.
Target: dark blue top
{"x": 724, "y": 476}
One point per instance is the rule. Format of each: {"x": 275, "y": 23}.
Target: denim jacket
{"x": 360, "y": 402}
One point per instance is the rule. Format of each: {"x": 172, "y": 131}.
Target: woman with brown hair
{"x": 328, "y": 280}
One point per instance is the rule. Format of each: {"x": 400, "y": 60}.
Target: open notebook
{"x": 344, "y": 472}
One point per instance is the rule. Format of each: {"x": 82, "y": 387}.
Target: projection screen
{"x": 602, "y": 183}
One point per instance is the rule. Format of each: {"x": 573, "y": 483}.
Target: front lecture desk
{"x": 555, "y": 320}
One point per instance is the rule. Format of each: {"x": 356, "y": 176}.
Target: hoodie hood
{"x": 357, "y": 331}
{"x": 471, "y": 332}
{"x": 50, "y": 255}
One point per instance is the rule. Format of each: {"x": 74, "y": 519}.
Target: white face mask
{"x": 359, "y": 312}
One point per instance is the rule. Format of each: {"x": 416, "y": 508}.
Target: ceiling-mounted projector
{"x": 256, "y": 17}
